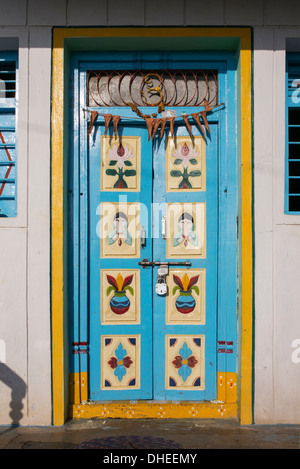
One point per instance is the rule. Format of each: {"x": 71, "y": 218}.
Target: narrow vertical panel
{"x": 246, "y": 233}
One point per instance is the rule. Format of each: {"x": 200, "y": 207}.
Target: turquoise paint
{"x": 84, "y": 198}
{"x": 209, "y": 263}
{"x": 97, "y": 264}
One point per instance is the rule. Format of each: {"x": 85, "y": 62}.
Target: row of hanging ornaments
{"x": 154, "y": 123}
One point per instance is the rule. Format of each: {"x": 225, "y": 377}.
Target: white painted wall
{"x": 25, "y": 240}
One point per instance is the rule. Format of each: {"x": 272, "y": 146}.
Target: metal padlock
{"x": 161, "y": 285}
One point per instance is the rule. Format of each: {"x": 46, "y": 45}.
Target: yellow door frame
{"x": 234, "y": 391}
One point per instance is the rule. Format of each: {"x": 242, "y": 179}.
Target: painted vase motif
{"x": 185, "y": 303}
{"x": 119, "y": 303}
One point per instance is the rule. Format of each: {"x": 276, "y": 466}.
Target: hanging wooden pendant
{"x": 107, "y": 119}
{"x": 115, "y": 124}
{"x": 163, "y": 124}
{"x": 196, "y": 118}
{"x": 188, "y": 125}
{"x": 171, "y": 120}
{"x": 149, "y": 123}
{"x": 207, "y": 107}
{"x": 94, "y": 115}
{"x": 203, "y": 115}
{"x": 156, "y": 124}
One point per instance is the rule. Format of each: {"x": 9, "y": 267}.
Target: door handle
{"x": 146, "y": 263}
{"x": 143, "y": 237}
{"x": 163, "y": 227}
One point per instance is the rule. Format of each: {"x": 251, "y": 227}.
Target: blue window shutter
{"x": 8, "y": 134}
{"x": 292, "y": 161}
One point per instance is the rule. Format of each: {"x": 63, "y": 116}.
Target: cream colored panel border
{"x": 185, "y": 156}
{"x": 186, "y": 298}
{"x": 120, "y": 230}
{"x": 120, "y": 362}
{"x": 120, "y": 296}
{"x": 120, "y": 164}
{"x": 185, "y": 362}
{"x": 186, "y": 230}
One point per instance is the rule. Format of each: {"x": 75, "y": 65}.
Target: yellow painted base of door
{"x": 224, "y": 407}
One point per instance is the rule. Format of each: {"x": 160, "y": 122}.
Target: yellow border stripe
{"x": 59, "y": 36}
{"x": 155, "y": 410}
{"x": 246, "y": 232}
{"x": 57, "y": 240}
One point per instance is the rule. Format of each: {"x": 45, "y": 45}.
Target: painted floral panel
{"x": 120, "y": 164}
{"x": 120, "y": 296}
{"x": 185, "y": 366}
{"x": 186, "y": 299}
{"x": 120, "y": 362}
{"x": 185, "y": 164}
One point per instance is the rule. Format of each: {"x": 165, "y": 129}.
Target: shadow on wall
{"x": 18, "y": 392}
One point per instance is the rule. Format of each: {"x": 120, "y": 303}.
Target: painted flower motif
{"x": 185, "y": 362}
{"x": 119, "y": 303}
{"x": 185, "y": 154}
{"x": 120, "y": 362}
{"x": 120, "y": 154}
{"x": 119, "y": 283}
{"x": 185, "y": 303}
{"x": 186, "y": 284}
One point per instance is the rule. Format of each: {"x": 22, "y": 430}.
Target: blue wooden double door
{"x": 148, "y": 204}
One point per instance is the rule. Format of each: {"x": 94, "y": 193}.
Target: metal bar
{"x": 146, "y": 263}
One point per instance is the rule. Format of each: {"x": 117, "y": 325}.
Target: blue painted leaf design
{"x": 120, "y": 372}
{"x": 120, "y": 352}
{"x": 184, "y": 371}
{"x": 185, "y": 351}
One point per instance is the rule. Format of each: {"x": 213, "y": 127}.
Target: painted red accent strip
{"x": 10, "y": 166}
{"x": 5, "y": 148}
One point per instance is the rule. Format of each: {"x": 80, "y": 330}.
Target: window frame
{"x": 290, "y": 104}
{"x": 9, "y": 207}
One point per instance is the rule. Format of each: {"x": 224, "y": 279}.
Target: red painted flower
{"x": 114, "y": 362}
{"x": 184, "y": 362}
{"x": 120, "y": 362}
{"x": 179, "y": 361}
